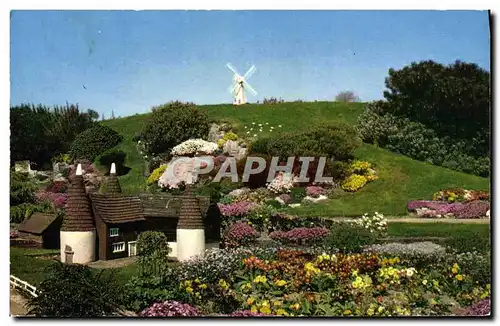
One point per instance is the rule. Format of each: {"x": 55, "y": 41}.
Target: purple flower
{"x": 247, "y": 313}
{"x": 240, "y": 233}
{"x": 481, "y": 308}
{"x": 298, "y": 235}
{"x": 58, "y": 199}
{"x": 236, "y": 209}
{"x": 315, "y": 191}
{"x": 473, "y": 209}
{"x": 170, "y": 309}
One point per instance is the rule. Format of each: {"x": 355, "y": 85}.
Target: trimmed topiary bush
{"x": 172, "y": 124}
{"x": 93, "y": 142}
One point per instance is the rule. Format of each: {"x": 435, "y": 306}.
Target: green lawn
{"x": 400, "y": 178}
{"x": 25, "y": 265}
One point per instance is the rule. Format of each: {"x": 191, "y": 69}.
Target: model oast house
{"x": 105, "y": 225}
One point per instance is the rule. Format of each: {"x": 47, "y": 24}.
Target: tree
{"x": 112, "y": 114}
{"x": 346, "y": 97}
{"x": 73, "y": 290}
{"x": 454, "y": 100}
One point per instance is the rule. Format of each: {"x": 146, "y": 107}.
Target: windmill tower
{"x": 240, "y": 84}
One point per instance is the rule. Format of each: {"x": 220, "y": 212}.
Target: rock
{"x": 238, "y": 192}
{"x": 314, "y": 200}
{"x": 59, "y": 177}
{"x": 213, "y": 133}
{"x": 226, "y": 127}
{"x": 22, "y": 166}
{"x": 43, "y": 175}
{"x": 231, "y": 148}
{"x": 488, "y": 214}
{"x": 294, "y": 205}
{"x": 243, "y": 144}
{"x": 242, "y": 153}
{"x": 60, "y": 167}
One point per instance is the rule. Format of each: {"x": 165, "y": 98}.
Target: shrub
{"x": 153, "y": 250}
{"x": 93, "y": 142}
{"x": 354, "y": 182}
{"x": 113, "y": 156}
{"x": 240, "y": 234}
{"x": 346, "y": 97}
{"x": 22, "y": 188}
{"x": 300, "y": 235}
{"x": 194, "y": 147}
{"x": 61, "y": 294}
{"x": 170, "y": 309}
{"x": 453, "y": 100}
{"x": 39, "y": 132}
{"x": 297, "y": 194}
{"x": 414, "y": 139}
{"x": 143, "y": 291}
{"x": 230, "y": 136}
{"x": 173, "y": 123}
{"x": 23, "y": 211}
{"x": 56, "y": 199}
{"x": 156, "y": 174}
{"x": 349, "y": 238}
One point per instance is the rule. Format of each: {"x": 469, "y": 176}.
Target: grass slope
{"x": 400, "y": 178}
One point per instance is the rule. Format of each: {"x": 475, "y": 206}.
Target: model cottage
{"x": 103, "y": 226}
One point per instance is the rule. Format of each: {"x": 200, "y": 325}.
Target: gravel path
{"x": 17, "y": 304}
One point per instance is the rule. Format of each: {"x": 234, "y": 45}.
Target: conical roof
{"x": 78, "y": 210}
{"x": 111, "y": 185}
{"x": 190, "y": 214}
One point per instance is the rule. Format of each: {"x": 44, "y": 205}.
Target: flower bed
{"x": 298, "y": 283}
{"x": 433, "y": 209}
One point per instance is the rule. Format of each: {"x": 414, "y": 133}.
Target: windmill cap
{"x": 113, "y": 169}
{"x": 79, "y": 169}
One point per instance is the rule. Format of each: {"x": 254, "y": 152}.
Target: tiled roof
{"x": 164, "y": 205}
{"x": 117, "y": 209}
{"x": 111, "y": 185}
{"x": 37, "y": 223}
{"x": 190, "y": 215}
{"x": 78, "y": 210}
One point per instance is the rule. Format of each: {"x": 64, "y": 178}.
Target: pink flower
{"x": 236, "y": 209}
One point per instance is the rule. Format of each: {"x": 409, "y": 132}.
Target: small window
{"x": 118, "y": 247}
{"x": 113, "y": 232}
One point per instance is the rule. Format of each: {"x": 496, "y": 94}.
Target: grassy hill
{"x": 400, "y": 178}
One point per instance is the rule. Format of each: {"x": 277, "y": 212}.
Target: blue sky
{"x": 128, "y": 61}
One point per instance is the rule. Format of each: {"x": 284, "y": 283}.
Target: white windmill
{"x": 240, "y": 84}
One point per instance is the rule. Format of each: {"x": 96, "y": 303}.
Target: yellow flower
{"x": 198, "y": 295}
{"x": 223, "y": 284}
{"x": 347, "y": 312}
{"x": 424, "y": 282}
{"x": 281, "y": 312}
{"x": 189, "y": 289}
{"x": 265, "y": 310}
{"x": 203, "y": 286}
{"x": 250, "y": 301}
{"x": 280, "y": 283}
{"x": 295, "y": 306}
{"x": 380, "y": 309}
{"x": 197, "y": 280}
{"x": 277, "y": 303}
{"x": 459, "y": 277}
{"x": 370, "y": 311}
{"x": 254, "y": 309}
{"x": 265, "y": 303}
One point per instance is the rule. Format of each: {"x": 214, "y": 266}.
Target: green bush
{"x": 23, "y": 211}
{"x": 413, "y": 139}
{"x": 337, "y": 141}
{"x": 93, "y": 142}
{"x": 172, "y": 124}
{"x": 349, "y": 238}
{"x": 297, "y": 194}
{"x": 453, "y": 100}
{"x": 73, "y": 290}
{"x": 113, "y": 156}
{"x": 153, "y": 250}
{"x": 39, "y": 132}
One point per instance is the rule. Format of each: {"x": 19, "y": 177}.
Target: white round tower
{"x": 190, "y": 228}
{"x": 78, "y": 234}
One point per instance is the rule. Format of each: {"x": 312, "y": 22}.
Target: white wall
{"x": 82, "y": 243}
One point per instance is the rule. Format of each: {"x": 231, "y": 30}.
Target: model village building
{"x": 105, "y": 225}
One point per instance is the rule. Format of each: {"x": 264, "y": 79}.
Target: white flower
{"x": 255, "y": 135}
{"x": 279, "y": 126}
{"x": 260, "y": 124}
{"x": 267, "y": 123}
{"x": 194, "y": 146}
{"x": 245, "y": 127}
{"x": 248, "y": 132}
{"x": 253, "y": 123}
